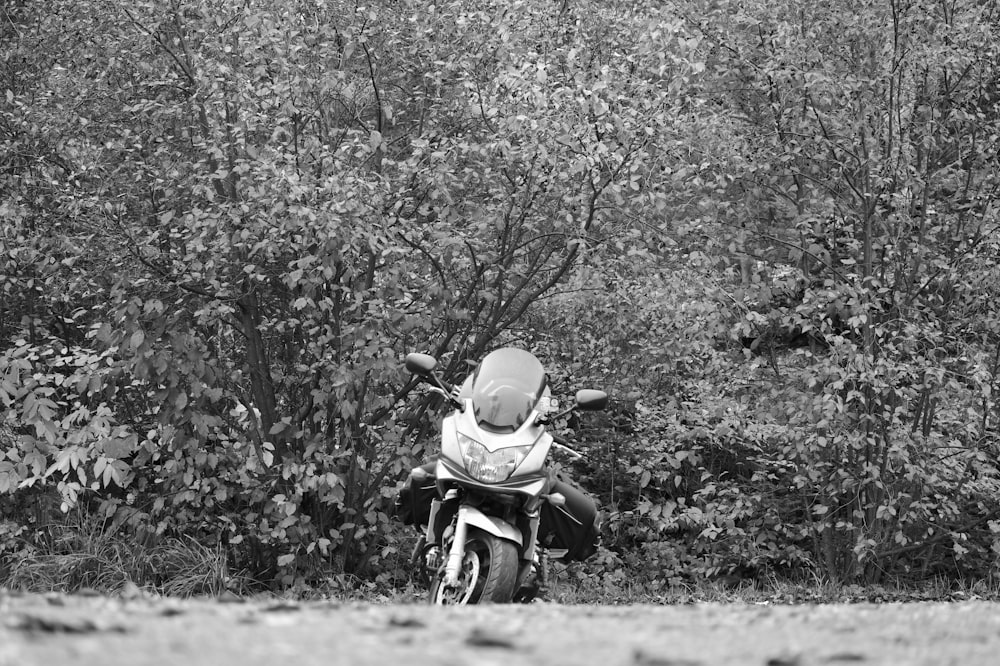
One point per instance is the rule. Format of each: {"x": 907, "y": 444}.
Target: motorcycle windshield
{"x": 505, "y": 389}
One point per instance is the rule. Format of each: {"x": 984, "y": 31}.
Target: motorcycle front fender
{"x": 495, "y": 526}
{"x": 472, "y": 517}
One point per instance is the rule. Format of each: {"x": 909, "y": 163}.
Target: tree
{"x": 217, "y": 249}
{"x": 870, "y": 172}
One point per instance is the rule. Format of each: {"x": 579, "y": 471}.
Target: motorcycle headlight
{"x": 490, "y": 466}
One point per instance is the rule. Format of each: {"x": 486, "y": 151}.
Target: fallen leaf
{"x": 789, "y": 660}
{"x": 172, "y": 611}
{"x": 642, "y": 658}
{"x": 66, "y": 624}
{"x": 405, "y": 622}
{"x": 489, "y": 638}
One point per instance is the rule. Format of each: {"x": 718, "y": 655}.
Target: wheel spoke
{"x": 468, "y": 577}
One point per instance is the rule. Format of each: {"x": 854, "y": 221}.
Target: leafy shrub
{"x": 215, "y": 253}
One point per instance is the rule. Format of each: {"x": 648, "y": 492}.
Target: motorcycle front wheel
{"x": 488, "y": 573}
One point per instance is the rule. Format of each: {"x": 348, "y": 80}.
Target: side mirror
{"x": 591, "y": 400}
{"x": 420, "y": 364}
{"x": 423, "y": 365}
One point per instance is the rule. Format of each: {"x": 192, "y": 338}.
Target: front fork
{"x": 431, "y": 537}
{"x": 456, "y": 554}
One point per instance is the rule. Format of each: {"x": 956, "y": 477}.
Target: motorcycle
{"x": 491, "y": 484}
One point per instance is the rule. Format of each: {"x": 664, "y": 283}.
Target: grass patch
{"x": 82, "y": 555}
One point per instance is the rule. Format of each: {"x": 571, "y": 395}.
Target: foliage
{"x": 289, "y": 205}
{"x": 857, "y": 229}
{"x": 767, "y": 229}
{"x": 871, "y": 175}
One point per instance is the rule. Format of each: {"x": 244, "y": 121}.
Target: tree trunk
{"x": 261, "y": 385}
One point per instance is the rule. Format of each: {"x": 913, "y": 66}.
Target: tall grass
{"x": 82, "y": 554}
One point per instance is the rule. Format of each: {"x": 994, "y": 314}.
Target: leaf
{"x": 644, "y": 478}
{"x": 8, "y": 477}
{"x": 101, "y": 469}
{"x": 490, "y": 637}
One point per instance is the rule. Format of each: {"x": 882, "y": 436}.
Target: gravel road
{"x": 51, "y": 630}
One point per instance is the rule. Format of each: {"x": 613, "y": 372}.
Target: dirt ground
{"x": 53, "y": 630}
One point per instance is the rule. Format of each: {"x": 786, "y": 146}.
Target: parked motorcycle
{"x": 496, "y": 515}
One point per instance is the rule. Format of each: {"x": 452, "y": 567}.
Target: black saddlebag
{"x": 574, "y": 527}
{"x": 413, "y": 503}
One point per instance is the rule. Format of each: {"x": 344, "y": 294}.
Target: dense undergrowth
{"x": 82, "y": 558}
{"x": 768, "y": 229}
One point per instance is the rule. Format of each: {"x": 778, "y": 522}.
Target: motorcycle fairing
{"x": 464, "y": 422}
{"x": 528, "y": 434}
{"x": 531, "y": 485}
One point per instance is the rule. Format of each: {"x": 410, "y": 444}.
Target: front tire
{"x": 488, "y": 573}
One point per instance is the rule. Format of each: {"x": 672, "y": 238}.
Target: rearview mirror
{"x": 420, "y": 364}
{"x": 591, "y": 400}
